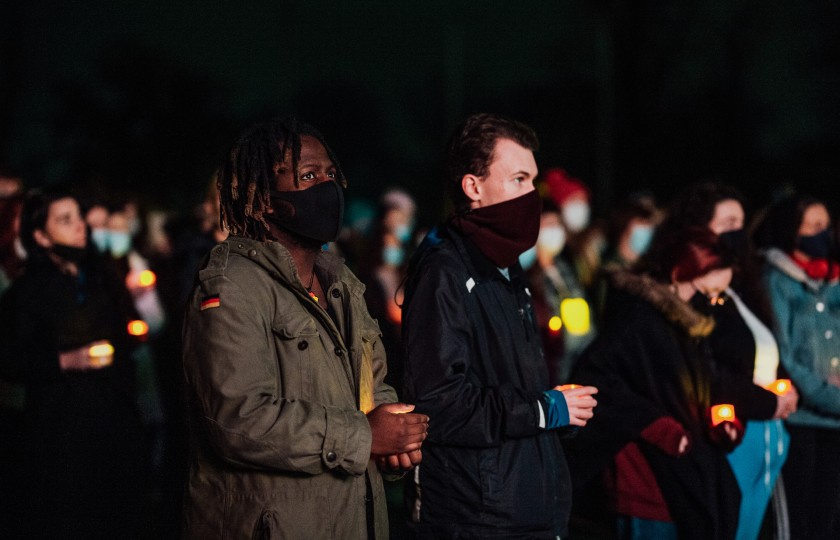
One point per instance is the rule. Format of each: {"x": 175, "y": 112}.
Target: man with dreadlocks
{"x": 290, "y": 417}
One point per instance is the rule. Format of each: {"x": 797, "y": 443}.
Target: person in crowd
{"x": 653, "y": 442}
{"x": 63, "y": 333}
{"x": 354, "y": 239}
{"x": 492, "y": 466}
{"x": 552, "y": 282}
{"x": 177, "y": 245}
{"x": 383, "y": 273}
{"x": 801, "y": 276}
{"x": 11, "y": 256}
{"x": 290, "y": 417}
{"x": 630, "y": 231}
{"x": 12, "y": 398}
{"x": 538, "y": 262}
{"x": 745, "y": 355}
{"x": 585, "y": 241}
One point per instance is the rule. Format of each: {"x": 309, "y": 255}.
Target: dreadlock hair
{"x": 247, "y": 175}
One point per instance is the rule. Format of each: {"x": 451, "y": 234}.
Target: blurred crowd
{"x": 711, "y": 328}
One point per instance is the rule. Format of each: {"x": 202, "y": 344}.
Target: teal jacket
{"x": 808, "y": 332}
{"x": 280, "y": 446}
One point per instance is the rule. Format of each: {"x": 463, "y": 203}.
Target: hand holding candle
{"x": 787, "y": 397}
{"x": 100, "y": 354}
{"x": 579, "y": 401}
{"x": 722, "y": 413}
{"x": 780, "y": 387}
{"x": 95, "y": 355}
{"x": 726, "y": 430}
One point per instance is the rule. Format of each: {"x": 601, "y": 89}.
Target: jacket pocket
{"x": 265, "y": 526}
{"x": 297, "y": 342}
{"x": 491, "y": 480}
{"x": 304, "y": 516}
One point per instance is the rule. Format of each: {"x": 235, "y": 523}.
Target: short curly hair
{"x": 470, "y": 149}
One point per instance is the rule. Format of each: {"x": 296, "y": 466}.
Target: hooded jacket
{"x": 474, "y": 364}
{"x": 808, "y": 332}
{"x": 280, "y": 446}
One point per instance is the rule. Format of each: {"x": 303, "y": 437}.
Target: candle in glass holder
{"x": 722, "y": 413}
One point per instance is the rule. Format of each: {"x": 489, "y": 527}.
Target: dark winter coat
{"x": 81, "y": 438}
{"x": 647, "y": 364}
{"x": 474, "y": 364}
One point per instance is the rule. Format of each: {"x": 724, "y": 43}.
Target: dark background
{"x": 144, "y": 97}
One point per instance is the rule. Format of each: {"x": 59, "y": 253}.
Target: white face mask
{"x": 551, "y": 239}
{"x": 575, "y": 215}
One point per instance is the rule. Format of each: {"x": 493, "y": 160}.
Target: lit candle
{"x": 722, "y": 413}
{"x": 143, "y": 279}
{"x": 101, "y": 354}
{"x": 780, "y": 387}
{"x": 138, "y": 328}
{"x": 575, "y": 315}
{"x": 569, "y": 387}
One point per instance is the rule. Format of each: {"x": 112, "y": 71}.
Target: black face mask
{"x": 736, "y": 242}
{"x": 503, "y": 230}
{"x": 817, "y": 246}
{"x": 69, "y": 253}
{"x": 315, "y": 213}
{"x": 705, "y": 304}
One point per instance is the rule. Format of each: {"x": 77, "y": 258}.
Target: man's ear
{"x": 41, "y": 238}
{"x": 471, "y": 185}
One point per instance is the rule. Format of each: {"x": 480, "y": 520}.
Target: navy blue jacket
{"x": 474, "y": 364}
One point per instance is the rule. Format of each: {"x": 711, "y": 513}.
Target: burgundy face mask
{"x": 502, "y": 231}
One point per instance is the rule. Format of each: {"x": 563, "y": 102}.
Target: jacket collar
{"x": 781, "y": 261}
{"x": 277, "y": 260}
{"x": 660, "y": 296}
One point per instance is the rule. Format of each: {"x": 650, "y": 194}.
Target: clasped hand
{"x": 397, "y": 435}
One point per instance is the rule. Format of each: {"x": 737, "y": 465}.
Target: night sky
{"x": 144, "y": 97}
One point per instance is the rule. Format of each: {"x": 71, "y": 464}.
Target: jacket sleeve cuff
{"x": 665, "y": 433}
{"x": 347, "y": 441}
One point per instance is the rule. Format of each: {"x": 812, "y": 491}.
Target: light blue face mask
{"x": 393, "y": 255}
{"x": 403, "y": 233}
{"x": 100, "y": 239}
{"x": 528, "y": 258}
{"x": 120, "y": 243}
{"x": 640, "y": 238}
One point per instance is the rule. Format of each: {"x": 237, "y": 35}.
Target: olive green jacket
{"x": 280, "y": 447}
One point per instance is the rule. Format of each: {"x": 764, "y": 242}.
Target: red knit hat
{"x": 561, "y": 186}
